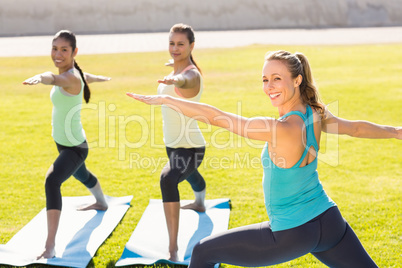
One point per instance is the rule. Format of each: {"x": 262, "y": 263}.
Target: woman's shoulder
{"x": 75, "y": 72}
{"x": 189, "y": 67}
{"x": 192, "y": 74}
{"x": 72, "y": 74}
{"x": 292, "y": 124}
{"x": 191, "y": 70}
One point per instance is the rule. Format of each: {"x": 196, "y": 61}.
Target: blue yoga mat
{"x": 149, "y": 242}
{"x": 78, "y": 238}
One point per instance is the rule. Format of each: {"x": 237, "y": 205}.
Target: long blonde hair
{"x": 298, "y": 64}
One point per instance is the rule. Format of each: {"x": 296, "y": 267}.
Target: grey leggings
{"x": 182, "y": 165}
{"x": 70, "y": 162}
{"x": 328, "y": 237}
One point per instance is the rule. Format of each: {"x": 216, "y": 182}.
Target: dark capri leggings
{"x": 182, "y": 165}
{"x": 70, "y": 162}
{"x": 328, "y": 237}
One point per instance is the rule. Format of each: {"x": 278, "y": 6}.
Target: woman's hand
{"x": 33, "y": 80}
{"x": 169, "y": 80}
{"x": 90, "y": 78}
{"x": 46, "y": 78}
{"x": 170, "y": 63}
{"x": 151, "y": 99}
{"x": 101, "y": 78}
{"x": 399, "y": 133}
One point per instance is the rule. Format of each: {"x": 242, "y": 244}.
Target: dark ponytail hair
{"x": 298, "y": 64}
{"x": 70, "y": 37}
{"x": 188, "y": 30}
{"x": 87, "y": 92}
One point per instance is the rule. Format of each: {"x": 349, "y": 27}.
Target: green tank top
{"x": 294, "y": 196}
{"x": 66, "y": 116}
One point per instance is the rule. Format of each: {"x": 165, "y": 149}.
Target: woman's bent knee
{"x": 51, "y": 182}
{"x": 199, "y": 257}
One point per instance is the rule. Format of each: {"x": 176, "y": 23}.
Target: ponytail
{"x": 192, "y": 60}
{"x": 298, "y": 64}
{"x": 87, "y": 92}
{"x": 308, "y": 89}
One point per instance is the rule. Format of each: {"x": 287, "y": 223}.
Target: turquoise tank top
{"x": 67, "y": 129}
{"x": 294, "y": 196}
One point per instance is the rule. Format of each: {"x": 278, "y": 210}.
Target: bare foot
{"x": 194, "y": 206}
{"x": 173, "y": 256}
{"x": 95, "y": 206}
{"x": 47, "y": 254}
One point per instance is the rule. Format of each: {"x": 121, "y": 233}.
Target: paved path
{"x": 141, "y": 42}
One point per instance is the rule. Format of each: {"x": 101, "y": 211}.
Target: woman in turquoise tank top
{"x": 303, "y": 219}
{"x": 70, "y": 86}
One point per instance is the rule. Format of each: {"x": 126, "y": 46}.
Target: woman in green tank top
{"x": 70, "y": 85}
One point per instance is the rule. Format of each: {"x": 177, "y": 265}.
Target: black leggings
{"x": 69, "y": 162}
{"x": 328, "y": 237}
{"x": 182, "y": 165}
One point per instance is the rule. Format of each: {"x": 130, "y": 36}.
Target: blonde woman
{"x": 303, "y": 218}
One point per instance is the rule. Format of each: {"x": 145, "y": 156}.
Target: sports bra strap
{"x": 296, "y": 113}
{"x": 310, "y": 136}
{"x": 191, "y": 66}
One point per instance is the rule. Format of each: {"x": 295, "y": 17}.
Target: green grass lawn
{"x": 362, "y": 176}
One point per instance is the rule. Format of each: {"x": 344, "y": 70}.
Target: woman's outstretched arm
{"x": 46, "y": 78}
{"x": 186, "y": 80}
{"x": 65, "y": 80}
{"x": 359, "y": 129}
{"x": 259, "y": 128}
{"x": 90, "y": 78}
